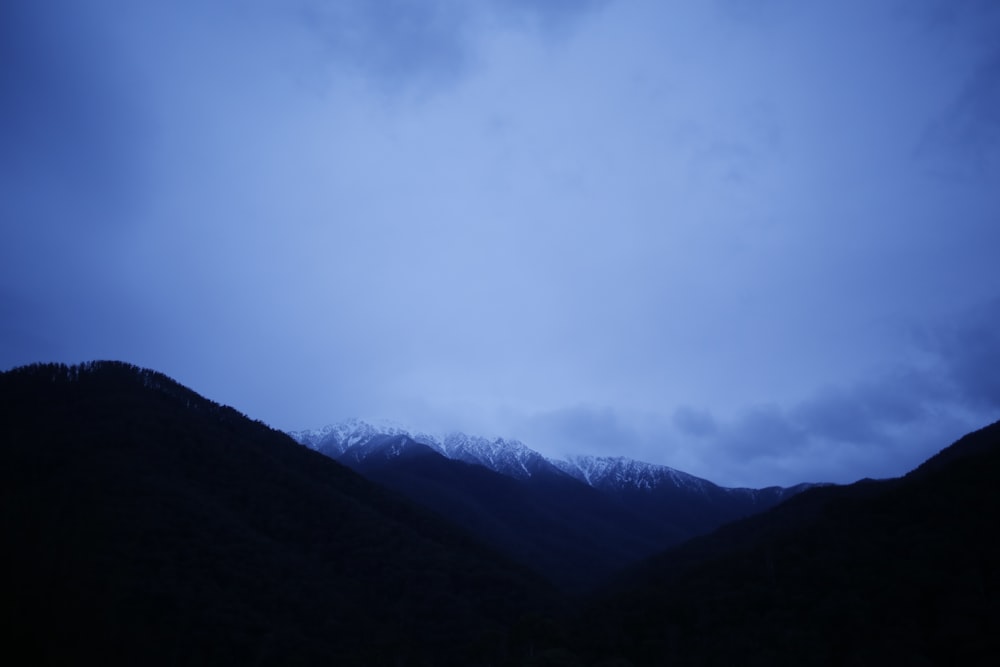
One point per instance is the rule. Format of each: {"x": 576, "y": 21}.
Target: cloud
{"x": 964, "y": 139}
{"x": 867, "y": 411}
{"x": 395, "y": 41}
{"x": 884, "y": 424}
{"x": 698, "y": 423}
{"x": 401, "y": 44}
{"x": 974, "y": 122}
{"x": 969, "y": 352}
{"x": 579, "y": 430}
{"x": 761, "y": 432}
{"x": 547, "y": 15}
{"x": 880, "y": 426}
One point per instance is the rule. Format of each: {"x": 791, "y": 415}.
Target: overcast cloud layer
{"x": 751, "y": 239}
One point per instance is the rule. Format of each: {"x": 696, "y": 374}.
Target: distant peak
{"x": 618, "y": 471}
{"x": 359, "y": 438}
{"x": 350, "y": 432}
{"x": 510, "y": 457}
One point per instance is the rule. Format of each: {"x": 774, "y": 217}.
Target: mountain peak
{"x": 336, "y": 439}
{"x": 510, "y": 457}
{"x": 618, "y": 471}
{"x": 356, "y": 439}
{"x": 352, "y": 437}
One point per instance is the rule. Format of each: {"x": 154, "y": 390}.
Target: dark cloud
{"x": 946, "y": 14}
{"x": 828, "y": 438}
{"x": 698, "y": 423}
{"x": 976, "y": 117}
{"x": 885, "y": 424}
{"x": 867, "y": 412}
{"x": 964, "y": 140}
{"x": 761, "y": 432}
{"x": 580, "y": 430}
{"x": 969, "y": 351}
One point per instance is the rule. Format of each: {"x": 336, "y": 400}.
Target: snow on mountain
{"x": 619, "y": 472}
{"x": 351, "y": 438}
{"x": 357, "y": 440}
{"x": 509, "y": 457}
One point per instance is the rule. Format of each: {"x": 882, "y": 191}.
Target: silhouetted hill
{"x": 983, "y": 441}
{"x": 894, "y": 572}
{"x": 144, "y": 524}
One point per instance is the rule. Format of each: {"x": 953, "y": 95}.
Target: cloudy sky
{"x": 751, "y": 239}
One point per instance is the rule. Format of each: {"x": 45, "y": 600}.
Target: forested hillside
{"x": 146, "y": 524}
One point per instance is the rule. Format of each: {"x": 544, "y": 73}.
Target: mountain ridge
{"x": 574, "y": 521}
{"x": 514, "y": 458}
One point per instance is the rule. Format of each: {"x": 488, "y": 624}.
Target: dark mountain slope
{"x": 146, "y": 524}
{"x": 571, "y": 533}
{"x": 576, "y": 522}
{"x": 896, "y": 572}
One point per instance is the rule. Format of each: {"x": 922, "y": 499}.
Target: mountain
{"x": 576, "y": 521}
{"x": 900, "y": 571}
{"x": 607, "y": 472}
{"x": 507, "y": 457}
{"x": 146, "y": 524}
{"x": 652, "y": 489}
{"x": 567, "y": 531}
{"x": 354, "y": 439}
{"x": 335, "y": 439}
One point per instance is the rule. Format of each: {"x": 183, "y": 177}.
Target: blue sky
{"x": 751, "y": 239}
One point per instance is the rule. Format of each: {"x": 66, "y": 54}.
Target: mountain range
{"x": 575, "y": 521}
{"x": 144, "y": 523}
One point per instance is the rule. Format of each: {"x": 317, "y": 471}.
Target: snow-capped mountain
{"x": 604, "y": 472}
{"x": 616, "y": 474}
{"x": 357, "y": 440}
{"x": 576, "y": 520}
{"x": 507, "y": 457}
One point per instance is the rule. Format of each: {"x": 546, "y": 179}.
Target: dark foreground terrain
{"x": 145, "y": 524}
{"x": 901, "y": 571}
